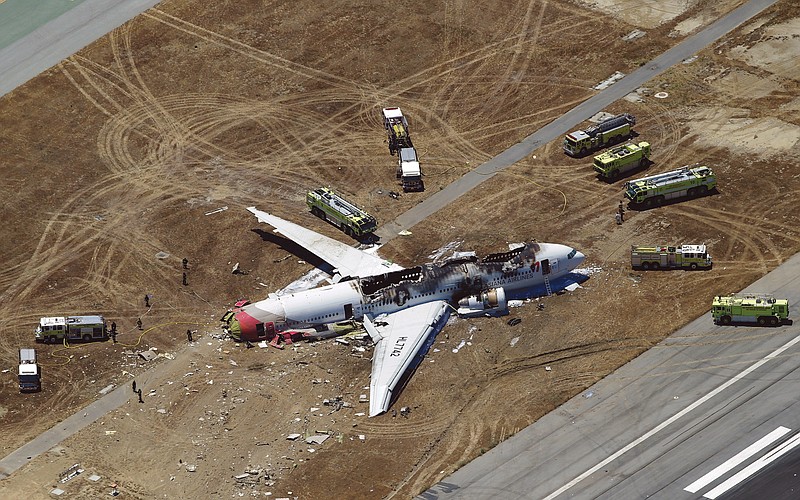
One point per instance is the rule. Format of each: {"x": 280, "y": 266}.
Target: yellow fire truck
{"x": 670, "y": 257}
{"x": 762, "y": 309}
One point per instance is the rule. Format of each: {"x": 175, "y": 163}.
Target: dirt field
{"x": 113, "y": 158}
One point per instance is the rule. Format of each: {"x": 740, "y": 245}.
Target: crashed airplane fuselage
{"x": 460, "y": 281}
{"x": 400, "y": 308}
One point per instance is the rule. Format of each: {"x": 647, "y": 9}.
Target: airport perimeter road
{"x": 57, "y": 38}
{"x": 565, "y": 123}
{"x": 694, "y": 417}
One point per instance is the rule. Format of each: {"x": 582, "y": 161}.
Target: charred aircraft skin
{"x": 452, "y": 280}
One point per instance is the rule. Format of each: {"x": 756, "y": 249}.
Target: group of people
{"x": 185, "y": 263}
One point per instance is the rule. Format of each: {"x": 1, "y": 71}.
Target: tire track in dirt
{"x": 248, "y": 51}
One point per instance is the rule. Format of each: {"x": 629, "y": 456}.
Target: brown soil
{"x": 117, "y": 154}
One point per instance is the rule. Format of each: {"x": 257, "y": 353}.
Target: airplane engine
{"x": 491, "y": 302}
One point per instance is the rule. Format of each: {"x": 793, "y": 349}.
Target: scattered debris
{"x": 162, "y": 255}
{"x": 571, "y": 287}
{"x": 105, "y": 390}
{"x": 394, "y": 195}
{"x": 405, "y": 411}
{"x": 57, "y": 492}
{"x": 588, "y": 271}
{"x": 217, "y": 211}
{"x": 611, "y": 80}
{"x": 547, "y": 369}
{"x": 514, "y": 341}
{"x": 191, "y": 468}
{"x": 633, "y": 35}
{"x": 148, "y": 355}
{"x": 514, "y": 321}
{"x": 405, "y": 232}
{"x": 68, "y": 474}
{"x": 660, "y": 95}
{"x": 317, "y": 439}
{"x": 292, "y": 437}
{"x": 94, "y": 477}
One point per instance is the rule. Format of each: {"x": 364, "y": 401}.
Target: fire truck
{"x": 670, "y": 257}
{"x": 84, "y": 328}
{"x": 329, "y": 206}
{"x": 616, "y": 161}
{"x": 408, "y": 170}
{"x": 762, "y": 309}
{"x": 656, "y": 189}
{"x": 397, "y": 129}
{"x": 30, "y": 377}
{"x": 607, "y": 132}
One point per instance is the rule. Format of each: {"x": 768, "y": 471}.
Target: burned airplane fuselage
{"x": 455, "y": 279}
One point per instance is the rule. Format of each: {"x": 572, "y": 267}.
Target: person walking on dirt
{"x": 618, "y": 218}
{"x": 140, "y": 395}
{"x": 189, "y": 335}
{"x": 184, "y": 280}
{"x": 147, "y": 300}
{"x": 139, "y": 323}
{"x": 185, "y": 263}
{"x": 133, "y": 386}
{"x": 621, "y": 211}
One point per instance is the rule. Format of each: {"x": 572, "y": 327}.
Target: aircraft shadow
{"x": 294, "y": 249}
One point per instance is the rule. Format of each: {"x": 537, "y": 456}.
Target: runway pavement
{"x": 668, "y": 425}
{"x": 38, "y": 34}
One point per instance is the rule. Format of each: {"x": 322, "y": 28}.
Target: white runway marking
{"x": 672, "y": 419}
{"x": 736, "y": 460}
{"x": 754, "y": 467}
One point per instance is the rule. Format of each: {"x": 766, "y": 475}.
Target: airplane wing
{"x": 348, "y": 261}
{"x": 400, "y": 337}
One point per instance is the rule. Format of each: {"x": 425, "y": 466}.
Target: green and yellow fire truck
{"x": 656, "y": 189}
{"x": 327, "y": 205}
{"x": 616, "y": 161}
{"x": 670, "y": 257}
{"x": 607, "y": 132}
{"x": 749, "y": 308}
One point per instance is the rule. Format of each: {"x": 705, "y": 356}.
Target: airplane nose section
{"x": 579, "y": 258}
